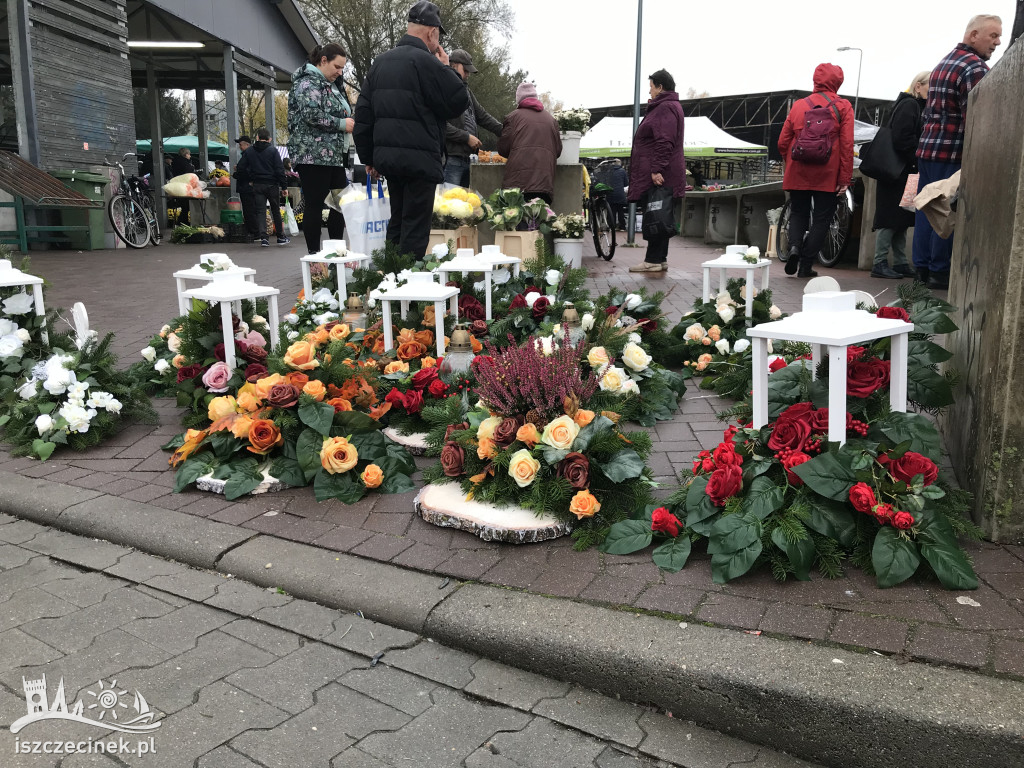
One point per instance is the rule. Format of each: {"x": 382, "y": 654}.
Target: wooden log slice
{"x": 445, "y": 505}
{"x": 270, "y": 484}
{"x": 415, "y": 443}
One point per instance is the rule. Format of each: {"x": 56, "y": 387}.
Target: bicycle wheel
{"x": 129, "y": 221}
{"x": 604, "y": 229}
{"x": 782, "y": 234}
{"x": 155, "y": 236}
{"x": 838, "y": 234}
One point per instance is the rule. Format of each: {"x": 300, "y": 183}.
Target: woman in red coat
{"x": 657, "y": 160}
{"x": 820, "y": 184}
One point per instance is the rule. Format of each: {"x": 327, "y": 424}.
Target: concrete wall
{"x": 984, "y": 430}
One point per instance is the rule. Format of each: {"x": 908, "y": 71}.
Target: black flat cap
{"x": 427, "y": 14}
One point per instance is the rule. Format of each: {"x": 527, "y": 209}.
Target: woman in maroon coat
{"x": 530, "y": 141}
{"x": 657, "y": 160}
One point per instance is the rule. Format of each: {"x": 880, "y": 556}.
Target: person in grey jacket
{"x": 460, "y": 135}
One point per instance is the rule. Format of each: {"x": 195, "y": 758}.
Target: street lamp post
{"x": 631, "y": 221}
{"x": 860, "y": 60}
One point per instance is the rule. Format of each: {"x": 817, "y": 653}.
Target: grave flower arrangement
{"x": 456, "y": 207}
{"x": 411, "y": 403}
{"x": 577, "y": 119}
{"x": 568, "y": 225}
{"x": 534, "y": 441}
{"x": 506, "y": 209}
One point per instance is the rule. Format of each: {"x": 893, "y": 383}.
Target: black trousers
{"x": 262, "y": 194}
{"x": 657, "y": 249}
{"x": 316, "y": 181}
{"x": 412, "y": 205}
{"x": 252, "y": 225}
{"x": 802, "y": 223}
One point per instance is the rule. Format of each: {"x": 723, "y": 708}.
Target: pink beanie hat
{"x": 526, "y": 91}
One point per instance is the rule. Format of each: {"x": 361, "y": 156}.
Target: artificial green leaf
{"x": 894, "y": 557}
{"x": 183, "y": 399}
{"x": 341, "y": 487}
{"x": 931, "y": 320}
{"x": 932, "y": 492}
{"x": 938, "y": 546}
{"x": 222, "y": 472}
{"x": 352, "y": 423}
{"x": 763, "y": 498}
{"x": 242, "y": 482}
{"x": 288, "y": 471}
{"x": 47, "y": 407}
{"x": 597, "y": 426}
{"x": 828, "y": 475}
{"x": 626, "y": 537}
{"x": 396, "y": 482}
{"x": 554, "y": 455}
{"x": 43, "y": 448}
{"x": 699, "y": 507}
{"x": 318, "y": 416}
{"x": 4, "y": 419}
{"x": 672, "y": 555}
{"x": 800, "y": 553}
{"x": 174, "y": 443}
{"x": 190, "y": 471}
{"x": 223, "y": 444}
{"x": 733, "y": 533}
{"x": 925, "y": 352}
{"x": 370, "y": 445}
{"x": 928, "y": 387}
{"x": 755, "y": 468}
{"x": 834, "y": 520}
{"x": 730, "y": 565}
{"x": 918, "y": 429}
{"x": 406, "y": 462}
{"x": 624, "y": 465}
{"x": 307, "y": 449}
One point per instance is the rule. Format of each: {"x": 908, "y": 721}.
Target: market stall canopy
{"x": 613, "y": 137}
{"x": 172, "y": 144}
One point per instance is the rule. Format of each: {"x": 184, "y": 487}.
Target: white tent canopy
{"x": 613, "y": 137}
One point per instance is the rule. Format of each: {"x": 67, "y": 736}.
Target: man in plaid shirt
{"x": 940, "y": 152}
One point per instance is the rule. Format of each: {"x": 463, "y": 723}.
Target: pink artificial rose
{"x": 253, "y": 338}
{"x": 217, "y": 377}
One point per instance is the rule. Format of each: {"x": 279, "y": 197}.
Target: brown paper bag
{"x": 934, "y": 202}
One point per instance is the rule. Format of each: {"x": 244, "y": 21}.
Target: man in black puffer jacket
{"x": 408, "y": 95}
{"x": 262, "y": 164}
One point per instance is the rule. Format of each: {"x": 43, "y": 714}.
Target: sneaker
{"x": 664, "y": 266}
{"x": 807, "y": 273}
{"x": 882, "y": 270}
{"x": 256, "y": 238}
{"x": 645, "y": 266}
{"x": 793, "y": 262}
{"x": 283, "y": 240}
{"x": 264, "y": 242}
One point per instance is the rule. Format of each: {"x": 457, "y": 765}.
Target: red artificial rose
{"x": 611, "y": 310}
{"x": 791, "y": 460}
{"x": 862, "y": 497}
{"x": 454, "y": 428}
{"x": 437, "y": 388}
{"x": 532, "y": 289}
{"x": 789, "y": 434}
{"x": 453, "y": 284}
{"x": 853, "y": 353}
{"x": 413, "y": 401}
{"x": 395, "y": 397}
{"x": 218, "y": 352}
{"x": 540, "y": 308}
{"x": 480, "y": 361}
{"x": 911, "y": 464}
{"x": 893, "y": 313}
{"x": 902, "y": 520}
{"x": 254, "y": 353}
{"x": 819, "y": 420}
{"x": 518, "y": 302}
{"x": 283, "y": 395}
{"x": 478, "y": 328}
{"x": 647, "y": 325}
{"x": 883, "y": 513}
{"x": 473, "y": 312}
{"x": 776, "y": 365}
{"x": 664, "y": 521}
{"x": 575, "y": 468}
{"x": 187, "y": 372}
{"x": 863, "y": 377}
{"x": 703, "y": 462}
{"x": 423, "y": 378}
{"x": 724, "y": 482}
{"x": 725, "y": 454}
{"x": 505, "y": 434}
{"x": 468, "y": 300}
{"x": 802, "y": 411}
{"x": 254, "y": 372}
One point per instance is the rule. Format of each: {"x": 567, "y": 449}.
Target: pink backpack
{"x": 813, "y": 144}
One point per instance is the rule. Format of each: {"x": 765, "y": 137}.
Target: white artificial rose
{"x": 726, "y": 312}
{"x": 113, "y": 405}
{"x": 222, "y": 262}
{"x": 77, "y": 417}
{"x": 24, "y": 335}
{"x": 293, "y": 335}
{"x": 173, "y": 343}
{"x": 479, "y": 286}
{"x": 259, "y": 320}
{"x": 7, "y": 327}
{"x": 774, "y": 312}
{"x": 18, "y": 304}
{"x": 149, "y": 353}
{"x": 28, "y": 390}
{"x": 587, "y": 321}
{"x": 500, "y": 276}
{"x": 754, "y": 252}
{"x": 632, "y": 301}
{"x": 546, "y": 344}
{"x": 531, "y": 298}
{"x": 59, "y": 381}
{"x": 11, "y": 346}
{"x": 164, "y": 331}
{"x": 291, "y": 318}
{"x": 742, "y": 345}
{"x": 723, "y": 297}
{"x": 633, "y": 356}
{"x": 322, "y": 295}
{"x": 630, "y": 387}
{"x": 162, "y": 366}
{"x": 633, "y": 337}
{"x": 44, "y": 423}
{"x": 613, "y": 379}
{"x": 722, "y": 345}
{"x": 552, "y": 276}
{"x": 695, "y": 332}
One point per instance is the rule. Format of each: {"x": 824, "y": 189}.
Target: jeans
{"x": 456, "y": 171}
{"x": 262, "y": 194}
{"x": 412, "y": 205}
{"x": 931, "y": 252}
{"x": 801, "y": 222}
{"x": 891, "y": 238}
{"x": 316, "y": 182}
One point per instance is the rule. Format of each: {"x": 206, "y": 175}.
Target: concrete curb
{"x": 822, "y": 704}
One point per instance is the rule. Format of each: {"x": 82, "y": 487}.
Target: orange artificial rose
{"x": 428, "y": 362}
{"x": 220, "y": 407}
{"x": 584, "y": 504}
{"x": 241, "y": 425}
{"x": 378, "y": 346}
{"x": 424, "y": 337}
{"x": 528, "y": 434}
{"x": 193, "y": 439}
{"x": 429, "y": 318}
{"x": 247, "y": 402}
{"x": 338, "y": 455}
{"x": 178, "y": 361}
{"x": 396, "y": 366}
{"x": 264, "y": 435}
{"x": 316, "y": 390}
{"x": 296, "y": 379}
{"x": 405, "y": 335}
{"x": 410, "y": 350}
{"x": 318, "y": 337}
{"x": 339, "y": 404}
{"x": 583, "y": 417}
{"x": 301, "y": 356}
{"x": 476, "y": 345}
{"x": 372, "y": 476}
{"x": 339, "y": 332}
{"x": 487, "y": 448}
{"x": 264, "y": 385}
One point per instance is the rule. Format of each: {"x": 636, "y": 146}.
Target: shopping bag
{"x": 910, "y": 192}
{"x": 290, "y": 225}
{"x": 659, "y": 217}
{"x": 937, "y": 201}
{"x": 367, "y": 220}
{"x": 878, "y": 158}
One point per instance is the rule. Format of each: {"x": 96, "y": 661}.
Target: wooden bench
{"x": 33, "y": 189}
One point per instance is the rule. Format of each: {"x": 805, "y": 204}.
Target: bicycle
{"x": 131, "y": 210}
{"x": 838, "y": 232}
{"x": 602, "y": 220}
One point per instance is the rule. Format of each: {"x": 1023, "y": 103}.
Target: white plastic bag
{"x": 366, "y": 221}
{"x": 290, "y": 225}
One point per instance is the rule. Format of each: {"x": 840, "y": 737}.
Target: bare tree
{"x": 691, "y": 93}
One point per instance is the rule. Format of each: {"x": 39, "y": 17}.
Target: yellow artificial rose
{"x": 695, "y": 332}
{"x": 560, "y": 433}
{"x": 338, "y": 455}
{"x": 634, "y": 356}
{"x": 428, "y": 362}
{"x": 597, "y": 357}
{"x": 396, "y": 366}
{"x": 339, "y": 332}
{"x": 583, "y": 417}
{"x": 317, "y": 337}
{"x": 315, "y": 389}
{"x": 241, "y": 425}
{"x": 264, "y": 385}
{"x": 584, "y": 504}
{"x": 220, "y": 407}
{"x": 173, "y": 342}
{"x": 487, "y": 427}
{"x": 301, "y": 356}
{"x": 247, "y": 402}
{"x": 523, "y": 468}
{"x": 613, "y": 379}
{"x": 372, "y": 476}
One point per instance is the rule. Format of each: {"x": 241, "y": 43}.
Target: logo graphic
{"x": 112, "y": 709}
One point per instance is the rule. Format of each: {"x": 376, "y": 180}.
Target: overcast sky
{"x": 584, "y": 51}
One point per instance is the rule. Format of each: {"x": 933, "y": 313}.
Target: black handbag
{"x": 879, "y": 160}
{"x": 659, "y": 213}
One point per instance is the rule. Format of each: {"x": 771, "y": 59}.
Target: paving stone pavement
{"x": 917, "y": 620}
{"x": 279, "y": 686}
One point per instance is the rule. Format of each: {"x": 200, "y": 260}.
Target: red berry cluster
{"x": 858, "y": 427}
{"x": 784, "y": 453}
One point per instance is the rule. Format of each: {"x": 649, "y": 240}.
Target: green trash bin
{"x": 93, "y": 186}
